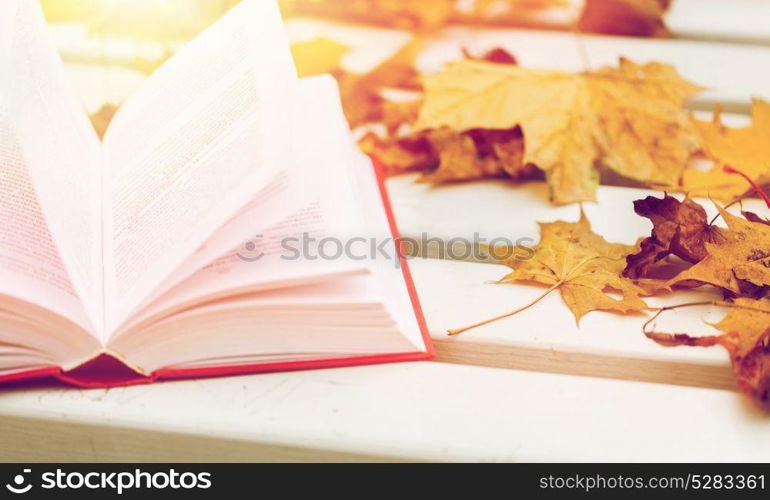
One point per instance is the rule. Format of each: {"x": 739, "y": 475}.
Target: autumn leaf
{"x": 747, "y": 149}
{"x": 395, "y": 114}
{"x": 629, "y": 119}
{"x": 582, "y": 265}
{"x": 102, "y": 118}
{"x": 746, "y": 337}
{"x": 497, "y": 55}
{"x": 740, "y": 258}
{"x": 478, "y": 154}
{"x": 361, "y": 94}
{"x": 459, "y": 158}
{"x": 752, "y": 217}
{"x": 447, "y": 156}
{"x": 400, "y": 155}
{"x": 680, "y": 228}
{"x": 318, "y": 56}
{"x": 625, "y": 17}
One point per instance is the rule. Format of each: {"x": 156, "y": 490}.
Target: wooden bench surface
{"x": 490, "y": 396}
{"x": 412, "y": 411}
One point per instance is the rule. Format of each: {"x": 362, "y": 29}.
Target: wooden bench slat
{"x": 413, "y": 411}
{"x": 743, "y": 21}
{"x": 545, "y": 337}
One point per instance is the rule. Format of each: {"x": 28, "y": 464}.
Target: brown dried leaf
{"x": 448, "y": 156}
{"x": 736, "y": 261}
{"x": 625, "y": 17}
{"x": 680, "y": 228}
{"x": 396, "y": 114}
{"x": 746, "y": 338}
{"x": 401, "y": 155}
{"x": 478, "y": 154}
{"x": 361, "y": 93}
{"x": 497, "y": 55}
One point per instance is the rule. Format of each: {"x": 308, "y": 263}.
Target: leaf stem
{"x": 645, "y": 328}
{"x": 453, "y": 333}
{"x": 729, "y": 205}
{"x": 732, "y": 170}
{"x": 678, "y": 339}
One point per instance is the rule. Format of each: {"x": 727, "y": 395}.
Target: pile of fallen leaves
{"x": 490, "y": 118}
{"x": 684, "y": 250}
{"x": 629, "y": 120}
{"x": 735, "y": 260}
{"x": 487, "y": 117}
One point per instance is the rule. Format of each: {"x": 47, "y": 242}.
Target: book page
{"x": 199, "y": 140}
{"x": 49, "y": 181}
{"x": 300, "y": 200}
{"x": 302, "y": 245}
{"x": 7, "y": 24}
{"x": 30, "y": 266}
{"x": 267, "y": 208}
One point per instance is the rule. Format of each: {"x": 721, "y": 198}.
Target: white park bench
{"x": 530, "y": 388}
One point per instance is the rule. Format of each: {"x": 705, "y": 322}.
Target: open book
{"x": 225, "y": 224}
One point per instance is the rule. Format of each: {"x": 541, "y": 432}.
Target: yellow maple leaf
{"x": 747, "y": 149}
{"x": 579, "y": 263}
{"x": 746, "y": 337}
{"x": 318, "y": 56}
{"x": 749, "y": 320}
{"x": 583, "y": 266}
{"x": 629, "y": 119}
{"x": 740, "y": 258}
